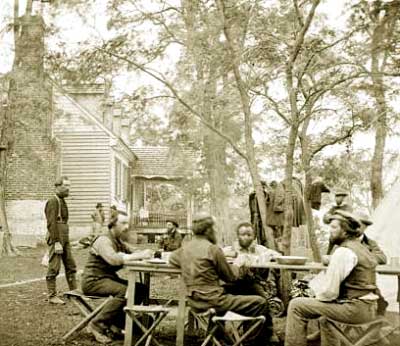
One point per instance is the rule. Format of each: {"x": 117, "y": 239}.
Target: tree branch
{"x": 274, "y": 103}
{"x": 163, "y": 81}
{"x": 300, "y": 38}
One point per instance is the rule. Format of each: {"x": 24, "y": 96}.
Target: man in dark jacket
{"x": 107, "y": 254}
{"x": 203, "y": 266}
{"x": 57, "y": 239}
{"x": 380, "y": 256}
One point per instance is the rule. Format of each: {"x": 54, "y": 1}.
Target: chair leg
{"x": 210, "y": 335}
{"x": 248, "y": 332}
{"x": 147, "y": 332}
{"x": 87, "y": 319}
{"x": 339, "y": 334}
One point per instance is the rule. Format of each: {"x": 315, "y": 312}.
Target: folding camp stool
{"x": 158, "y": 312}
{"x": 212, "y": 323}
{"x": 370, "y": 333}
{"x": 87, "y": 310}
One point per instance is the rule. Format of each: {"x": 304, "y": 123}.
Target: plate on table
{"x": 156, "y": 261}
{"x": 291, "y": 260}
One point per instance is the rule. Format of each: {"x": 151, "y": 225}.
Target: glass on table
{"x": 395, "y": 261}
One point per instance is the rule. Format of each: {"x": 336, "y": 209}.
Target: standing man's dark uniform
{"x": 57, "y": 239}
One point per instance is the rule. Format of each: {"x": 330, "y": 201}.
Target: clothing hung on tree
{"x": 275, "y": 198}
{"x": 316, "y": 191}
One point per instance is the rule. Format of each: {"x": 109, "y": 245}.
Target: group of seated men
{"x": 346, "y": 291}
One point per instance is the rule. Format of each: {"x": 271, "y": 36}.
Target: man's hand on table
{"x": 139, "y": 255}
{"x": 242, "y": 261}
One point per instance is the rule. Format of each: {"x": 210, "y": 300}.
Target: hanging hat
{"x": 351, "y": 219}
{"x": 364, "y": 218}
{"x": 173, "y": 222}
{"x": 341, "y": 192}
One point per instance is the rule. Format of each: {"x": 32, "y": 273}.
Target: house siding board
{"x": 68, "y": 116}
{"x": 86, "y": 161}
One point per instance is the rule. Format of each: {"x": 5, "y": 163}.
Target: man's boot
{"x": 72, "y": 284}
{"x": 51, "y": 288}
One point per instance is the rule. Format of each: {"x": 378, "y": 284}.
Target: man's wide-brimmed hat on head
{"x": 113, "y": 207}
{"x": 364, "y": 218}
{"x": 174, "y": 222}
{"x": 341, "y": 192}
{"x": 99, "y": 205}
{"x": 350, "y": 218}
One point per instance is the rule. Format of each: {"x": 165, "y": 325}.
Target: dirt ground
{"x": 26, "y": 319}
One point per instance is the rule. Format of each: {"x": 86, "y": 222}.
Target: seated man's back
{"x": 203, "y": 266}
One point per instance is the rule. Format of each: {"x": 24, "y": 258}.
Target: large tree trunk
{"x": 380, "y": 125}
{"x": 248, "y": 134}
{"x": 309, "y": 215}
{"x": 214, "y": 147}
{"x": 215, "y": 157}
{"x": 306, "y": 159}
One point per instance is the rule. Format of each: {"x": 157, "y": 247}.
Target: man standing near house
{"x": 172, "y": 240}
{"x": 57, "y": 239}
{"x": 98, "y": 218}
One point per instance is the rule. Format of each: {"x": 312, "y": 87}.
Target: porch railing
{"x": 159, "y": 220}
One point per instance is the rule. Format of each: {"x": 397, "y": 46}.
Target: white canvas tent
{"x": 386, "y": 231}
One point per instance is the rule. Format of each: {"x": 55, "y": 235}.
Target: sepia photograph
{"x": 200, "y": 172}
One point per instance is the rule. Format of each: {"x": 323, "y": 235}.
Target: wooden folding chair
{"x": 241, "y": 326}
{"x": 157, "y": 312}
{"x": 370, "y": 333}
{"x": 87, "y": 310}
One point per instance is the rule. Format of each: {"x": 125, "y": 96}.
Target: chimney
{"x": 116, "y": 126}
{"x": 125, "y": 129}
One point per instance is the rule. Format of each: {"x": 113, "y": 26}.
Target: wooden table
{"x": 136, "y": 267}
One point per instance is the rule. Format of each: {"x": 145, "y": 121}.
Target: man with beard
{"x": 246, "y": 247}
{"x": 340, "y": 196}
{"x": 203, "y": 266}
{"x": 173, "y": 239}
{"x": 57, "y": 239}
{"x": 345, "y": 292}
{"x": 107, "y": 254}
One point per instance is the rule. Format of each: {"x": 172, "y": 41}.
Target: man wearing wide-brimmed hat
{"x": 345, "y": 292}
{"x": 340, "y": 204}
{"x": 172, "y": 240}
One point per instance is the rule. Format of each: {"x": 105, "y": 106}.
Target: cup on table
{"x": 165, "y": 255}
{"x": 395, "y": 261}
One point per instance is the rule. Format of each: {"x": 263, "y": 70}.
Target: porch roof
{"x": 175, "y": 162}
